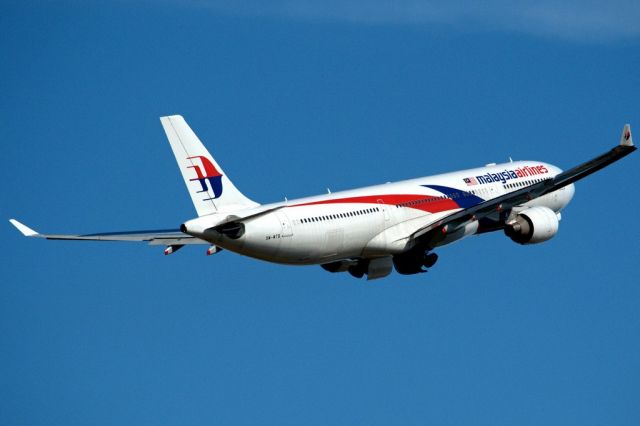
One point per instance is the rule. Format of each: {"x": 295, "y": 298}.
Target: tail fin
{"x": 210, "y": 189}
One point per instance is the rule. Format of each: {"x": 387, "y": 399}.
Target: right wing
{"x": 508, "y": 201}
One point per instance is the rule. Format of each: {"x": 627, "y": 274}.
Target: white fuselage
{"x": 368, "y": 231}
{"x": 373, "y": 221}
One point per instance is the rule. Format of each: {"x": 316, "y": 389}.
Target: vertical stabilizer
{"x": 209, "y": 187}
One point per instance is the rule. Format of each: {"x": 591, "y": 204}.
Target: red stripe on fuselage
{"x": 427, "y": 203}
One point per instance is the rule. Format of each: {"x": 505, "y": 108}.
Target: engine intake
{"x": 532, "y": 226}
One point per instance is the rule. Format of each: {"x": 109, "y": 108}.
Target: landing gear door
{"x": 287, "y": 231}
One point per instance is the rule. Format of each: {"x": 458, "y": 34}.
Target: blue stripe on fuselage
{"x": 465, "y": 201}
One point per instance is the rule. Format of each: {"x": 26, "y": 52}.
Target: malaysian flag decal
{"x": 470, "y": 181}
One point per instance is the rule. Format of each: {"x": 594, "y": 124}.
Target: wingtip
{"x": 24, "y": 229}
{"x": 169, "y": 117}
{"x": 626, "y": 139}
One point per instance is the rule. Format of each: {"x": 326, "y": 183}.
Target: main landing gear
{"x": 414, "y": 262}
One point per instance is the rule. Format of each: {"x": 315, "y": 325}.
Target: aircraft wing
{"x": 156, "y": 237}
{"x": 508, "y": 201}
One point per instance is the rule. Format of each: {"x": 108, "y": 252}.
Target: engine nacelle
{"x": 534, "y": 225}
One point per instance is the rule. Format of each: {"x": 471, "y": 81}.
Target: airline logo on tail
{"x": 211, "y": 179}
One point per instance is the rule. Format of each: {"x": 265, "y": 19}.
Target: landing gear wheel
{"x": 356, "y": 271}
{"x": 430, "y": 260}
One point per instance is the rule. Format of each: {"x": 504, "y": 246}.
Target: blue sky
{"x": 293, "y": 98}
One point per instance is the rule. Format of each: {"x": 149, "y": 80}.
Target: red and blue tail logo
{"x": 210, "y": 179}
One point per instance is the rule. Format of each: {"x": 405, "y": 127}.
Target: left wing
{"x": 449, "y": 224}
{"x": 156, "y": 237}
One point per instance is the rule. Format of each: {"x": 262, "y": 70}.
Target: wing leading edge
{"x": 505, "y": 202}
{"x": 154, "y": 237}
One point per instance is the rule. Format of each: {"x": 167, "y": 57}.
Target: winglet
{"x": 626, "y": 139}
{"x": 26, "y": 231}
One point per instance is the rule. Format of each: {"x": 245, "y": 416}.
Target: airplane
{"x": 366, "y": 231}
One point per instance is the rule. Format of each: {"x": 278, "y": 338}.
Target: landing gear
{"x": 357, "y": 270}
{"x": 430, "y": 260}
{"x": 374, "y": 268}
{"x": 414, "y": 262}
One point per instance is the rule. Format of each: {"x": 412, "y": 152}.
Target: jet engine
{"x": 531, "y": 226}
